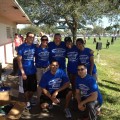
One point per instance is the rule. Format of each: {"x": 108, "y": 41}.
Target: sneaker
{"x": 67, "y": 113}
{"x": 28, "y": 107}
{"x": 33, "y": 103}
{"x": 50, "y": 106}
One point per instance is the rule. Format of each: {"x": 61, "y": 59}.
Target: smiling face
{"x": 30, "y": 38}
{"x": 44, "y": 41}
{"x": 82, "y": 71}
{"x": 57, "y": 39}
{"x": 54, "y": 66}
{"x": 69, "y": 44}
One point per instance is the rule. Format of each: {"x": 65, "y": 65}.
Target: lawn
{"x": 108, "y": 65}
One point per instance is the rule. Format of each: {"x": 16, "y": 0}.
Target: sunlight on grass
{"x": 108, "y": 78}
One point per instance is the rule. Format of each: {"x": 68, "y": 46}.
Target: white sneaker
{"x": 67, "y": 113}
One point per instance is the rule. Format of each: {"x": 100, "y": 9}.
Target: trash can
{"x": 4, "y": 94}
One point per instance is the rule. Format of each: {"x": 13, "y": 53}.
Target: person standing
{"x": 86, "y": 57}
{"x": 57, "y": 50}
{"x": 42, "y": 60}
{"x": 26, "y": 53}
{"x": 18, "y": 41}
{"x": 72, "y": 55}
{"x": 88, "y": 95}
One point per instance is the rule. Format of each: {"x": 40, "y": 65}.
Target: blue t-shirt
{"x": 84, "y": 58}
{"x": 53, "y": 82}
{"x": 72, "y": 55}
{"x": 88, "y": 85}
{"x": 27, "y": 52}
{"x": 41, "y": 57}
{"x": 58, "y": 53}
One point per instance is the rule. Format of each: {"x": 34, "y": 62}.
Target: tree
{"x": 76, "y": 13}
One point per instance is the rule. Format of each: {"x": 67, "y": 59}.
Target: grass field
{"x": 108, "y": 65}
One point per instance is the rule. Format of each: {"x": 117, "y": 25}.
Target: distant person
{"x": 107, "y": 44}
{"x": 35, "y": 40}
{"x": 94, "y": 40}
{"x": 86, "y": 56}
{"x": 26, "y": 53}
{"x": 57, "y": 50}
{"x": 18, "y": 41}
{"x": 41, "y": 34}
{"x": 112, "y": 40}
{"x": 55, "y": 85}
{"x": 87, "y": 94}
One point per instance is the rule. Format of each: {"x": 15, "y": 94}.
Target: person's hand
{"x": 55, "y": 94}
{"x": 55, "y": 100}
{"x": 81, "y": 106}
{"x": 24, "y": 76}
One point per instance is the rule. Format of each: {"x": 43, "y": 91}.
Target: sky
{"x": 104, "y": 24}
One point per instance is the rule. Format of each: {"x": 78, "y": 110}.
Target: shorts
{"x": 30, "y": 84}
{"x": 62, "y": 94}
{"x": 72, "y": 78}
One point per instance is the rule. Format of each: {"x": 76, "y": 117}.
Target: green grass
{"x": 108, "y": 65}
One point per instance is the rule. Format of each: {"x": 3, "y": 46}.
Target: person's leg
{"x": 72, "y": 78}
{"x": 45, "y": 102}
{"x": 67, "y": 93}
{"x": 39, "y": 90}
{"x": 91, "y": 110}
{"x": 32, "y": 88}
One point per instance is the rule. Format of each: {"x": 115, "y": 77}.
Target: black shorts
{"x": 62, "y": 94}
{"x": 72, "y": 78}
{"x": 30, "y": 84}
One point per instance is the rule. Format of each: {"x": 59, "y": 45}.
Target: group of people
{"x": 43, "y": 69}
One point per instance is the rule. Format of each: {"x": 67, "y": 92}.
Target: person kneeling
{"x": 87, "y": 94}
{"x": 55, "y": 85}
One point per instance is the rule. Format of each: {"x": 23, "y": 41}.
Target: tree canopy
{"x": 75, "y": 13}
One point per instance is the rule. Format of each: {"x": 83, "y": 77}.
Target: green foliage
{"x": 33, "y": 29}
{"x": 76, "y": 13}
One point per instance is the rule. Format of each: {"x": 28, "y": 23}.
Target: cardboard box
{"x": 15, "y": 112}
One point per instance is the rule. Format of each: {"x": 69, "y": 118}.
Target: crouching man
{"x": 55, "y": 85}
{"x": 87, "y": 94}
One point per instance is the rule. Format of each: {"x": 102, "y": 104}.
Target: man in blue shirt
{"x": 87, "y": 93}
{"x": 26, "y": 53}
{"x": 57, "y": 51}
{"x": 55, "y": 85}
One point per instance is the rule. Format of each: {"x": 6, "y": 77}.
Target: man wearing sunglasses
{"x": 87, "y": 94}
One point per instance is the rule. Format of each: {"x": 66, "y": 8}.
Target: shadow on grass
{"x": 109, "y": 87}
{"x": 111, "y": 82}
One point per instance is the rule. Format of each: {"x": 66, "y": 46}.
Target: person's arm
{"x": 66, "y": 85}
{"x": 93, "y": 97}
{"x": 19, "y": 58}
{"x": 78, "y": 95}
{"x": 46, "y": 93}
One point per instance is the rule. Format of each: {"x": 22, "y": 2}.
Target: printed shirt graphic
{"x": 87, "y": 86}
{"x": 58, "y": 53}
{"x": 84, "y": 58}
{"x": 42, "y": 57}
{"x": 72, "y": 55}
{"x": 27, "y": 52}
{"x": 53, "y": 82}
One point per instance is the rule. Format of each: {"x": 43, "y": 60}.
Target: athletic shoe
{"x": 67, "y": 113}
{"x": 28, "y": 106}
{"x": 50, "y": 106}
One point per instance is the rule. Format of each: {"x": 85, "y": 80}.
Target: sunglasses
{"x": 81, "y": 69}
{"x": 44, "y": 39}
